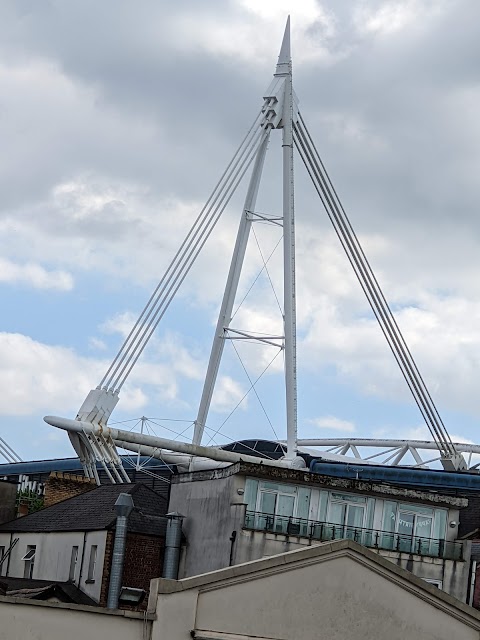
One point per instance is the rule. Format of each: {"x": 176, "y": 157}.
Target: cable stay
{"x": 95, "y": 442}
{"x": 374, "y": 294}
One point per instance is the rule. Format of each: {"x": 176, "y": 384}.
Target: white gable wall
{"x": 53, "y": 557}
{"x": 336, "y": 593}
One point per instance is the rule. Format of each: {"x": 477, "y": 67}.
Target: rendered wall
{"x": 215, "y": 510}
{"x": 21, "y": 620}
{"x": 211, "y": 509}
{"x": 53, "y": 555}
{"x": 253, "y": 545}
{"x": 336, "y": 599}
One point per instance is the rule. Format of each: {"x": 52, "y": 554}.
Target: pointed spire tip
{"x": 285, "y": 54}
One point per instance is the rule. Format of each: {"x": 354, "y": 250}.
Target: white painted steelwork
{"x": 95, "y": 442}
{"x": 8, "y": 453}
{"x": 280, "y": 110}
{"x": 163, "y": 446}
{"x": 384, "y": 451}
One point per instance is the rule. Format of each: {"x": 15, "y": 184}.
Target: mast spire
{"x": 285, "y": 56}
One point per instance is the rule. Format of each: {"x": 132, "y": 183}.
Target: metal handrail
{"x": 373, "y": 538}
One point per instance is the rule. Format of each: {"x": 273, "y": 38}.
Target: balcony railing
{"x": 373, "y": 538}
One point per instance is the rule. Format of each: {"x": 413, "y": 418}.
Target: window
{"x": 347, "y": 514}
{"x": 413, "y": 528}
{"x": 29, "y": 559}
{"x": 73, "y": 563}
{"x": 278, "y": 506}
{"x": 92, "y": 563}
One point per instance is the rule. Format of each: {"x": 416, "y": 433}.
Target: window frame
{"x": 73, "y": 563}
{"x": 29, "y": 560}
{"x": 92, "y": 564}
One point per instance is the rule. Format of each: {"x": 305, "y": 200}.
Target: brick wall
{"x": 61, "y": 486}
{"x": 8, "y": 494}
{"x": 143, "y": 561}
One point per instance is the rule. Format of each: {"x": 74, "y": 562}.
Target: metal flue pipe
{"x": 173, "y": 541}
{"x": 124, "y": 507}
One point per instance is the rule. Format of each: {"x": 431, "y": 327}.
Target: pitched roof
{"x": 95, "y": 511}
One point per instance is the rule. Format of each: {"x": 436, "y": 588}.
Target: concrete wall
{"x": 214, "y": 510}
{"x": 29, "y": 620}
{"x": 452, "y": 574}
{"x": 53, "y": 555}
{"x": 340, "y": 596}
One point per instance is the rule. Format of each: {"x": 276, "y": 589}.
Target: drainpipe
{"x": 123, "y": 506}
{"x": 173, "y": 541}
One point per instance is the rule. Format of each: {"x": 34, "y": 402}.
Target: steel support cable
{"x": 163, "y": 306}
{"x": 256, "y": 278}
{"x": 183, "y": 255}
{"x": 385, "y": 328}
{"x": 217, "y": 189}
{"x": 267, "y": 271}
{"x": 187, "y": 252}
{"x": 436, "y": 421}
{"x": 367, "y": 283}
{"x": 426, "y": 409}
{"x": 243, "y": 397}
{"x": 374, "y": 305}
{"x": 444, "y": 437}
{"x": 184, "y": 267}
{"x": 233, "y": 441}
{"x": 255, "y": 391}
{"x": 176, "y": 264}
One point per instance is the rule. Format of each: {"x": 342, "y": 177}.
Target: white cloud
{"x": 121, "y": 323}
{"x": 38, "y": 377}
{"x": 35, "y": 276}
{"x": 333, "y": 423}
{"x": 96, "y": 344}
{"x": 228, "y": 393}
{"x": 396, "y": 15}
{"x": 244, "y": 37}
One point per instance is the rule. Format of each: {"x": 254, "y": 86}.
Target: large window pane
{"x": 267, "y": 502}
{"x": 285, "y": 505}
{"x": 405, "y": 531}
{"x": 250, "y": 497}
{"x": 423, "y": 526}
{"x": 388, "y": 538}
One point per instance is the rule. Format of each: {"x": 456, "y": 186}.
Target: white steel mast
{"x": 95, "y": 442}
{"x": 284, "y": 69}
{"x": 279, "y": 110}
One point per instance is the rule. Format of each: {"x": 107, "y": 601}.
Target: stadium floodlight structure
{"x": 94, "y": 441}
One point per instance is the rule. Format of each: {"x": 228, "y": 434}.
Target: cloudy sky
{"x": 116, "y": 121}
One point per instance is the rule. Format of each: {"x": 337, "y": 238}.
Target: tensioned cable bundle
{"x": 370, "y": 286}
{"x": 183, "y": 260}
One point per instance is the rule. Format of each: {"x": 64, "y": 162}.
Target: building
{"x": 34, "y": 474}
{"x": 72, "y": 540}
{"x": 246, "y": 512}
{"x": 337, "y": 590}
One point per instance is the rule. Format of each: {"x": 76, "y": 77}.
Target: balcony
{"x": 372, "y": 538}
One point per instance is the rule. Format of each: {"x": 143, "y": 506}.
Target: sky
{"x": 116, "y": 121}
